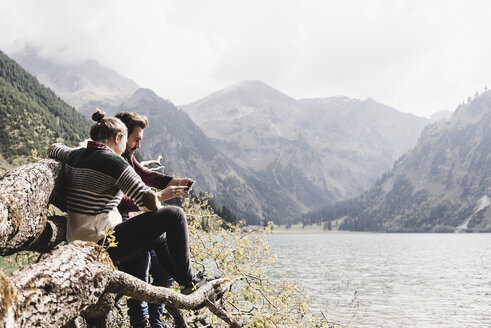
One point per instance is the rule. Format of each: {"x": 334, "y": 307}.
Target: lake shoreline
{"x": 318, "y": 229}
{"x": 313, "y": 231}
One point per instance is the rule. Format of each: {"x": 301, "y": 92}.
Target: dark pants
{"x": 140, "y": 267}
{"x": 160, "y": 278}
{"x": 164, "y": 233}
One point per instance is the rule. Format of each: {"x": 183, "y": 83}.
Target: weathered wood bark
{"x": 98, "y": 315}
{"x": 77, "y": 277}
{"x": 25, "y": 194}
{"x": 55, "y": 291}
{"x": 53, "y": 234}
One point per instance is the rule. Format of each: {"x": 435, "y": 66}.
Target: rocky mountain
{"x": 171, "y": 133}
{"x": 85, "y": 85}
{"x": 188, "y": 152}
{"x": 365, "y": 128}
{"x": 32, "y": 116}
{"x": 442, "y": 185}
{"x": 263, "y": 154}
{"x": 315, "y": 150}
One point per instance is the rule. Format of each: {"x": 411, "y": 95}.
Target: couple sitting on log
{"x": 104, "y": 175}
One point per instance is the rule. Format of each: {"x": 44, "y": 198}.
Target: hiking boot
{"x": 198, "y": 281}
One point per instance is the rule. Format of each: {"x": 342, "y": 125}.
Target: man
{"x": 143, "y": 314}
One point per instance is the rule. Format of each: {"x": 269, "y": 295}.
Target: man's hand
{"x": 179, "y": 182}
{"x": 184, "y": 182}
{"x": 172, "y": 192}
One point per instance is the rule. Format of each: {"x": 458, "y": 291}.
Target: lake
{"x": 391, "y": 280}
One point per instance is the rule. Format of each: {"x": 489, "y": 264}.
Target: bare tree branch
{"x": 178, "y": 316}
{"x": 128, "y": 285}
{"x": 220, "y": 312}
{"x": 152, "y": 162}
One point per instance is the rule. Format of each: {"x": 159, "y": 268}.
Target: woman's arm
{"x": 132, "y": 186}
{"x": 59, "y": 151}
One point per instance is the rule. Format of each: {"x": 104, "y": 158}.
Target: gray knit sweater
{"x": 96, "y": 179}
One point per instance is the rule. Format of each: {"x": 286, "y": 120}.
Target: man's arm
{"x": 151, "y": 178}
{"x": 179, "y": 182}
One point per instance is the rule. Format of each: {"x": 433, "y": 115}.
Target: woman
{"x": 96, "y": 179}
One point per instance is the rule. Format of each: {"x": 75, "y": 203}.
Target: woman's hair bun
{"x": 98, "y": 115}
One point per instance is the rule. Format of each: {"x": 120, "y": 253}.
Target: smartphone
{"x": 189, "y": 185}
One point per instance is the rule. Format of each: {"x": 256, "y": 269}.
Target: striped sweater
{"x": 96, "y": 179}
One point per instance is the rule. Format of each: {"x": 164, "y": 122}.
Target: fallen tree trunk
{"x": 76, "y": 277}
{"x": 25, "y": 194}
{"x": 53, "y": 234}
{"x": 55, "y": 291}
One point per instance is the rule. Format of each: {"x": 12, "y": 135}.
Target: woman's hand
{"x": 49, "y": 149}
{"x": 172, "y": 192}
{"x": 150, "y": 200}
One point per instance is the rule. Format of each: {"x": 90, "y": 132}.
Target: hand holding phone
{"x": 189, "y": 185}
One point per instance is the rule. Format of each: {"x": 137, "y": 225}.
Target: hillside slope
{"x": 443, "y": 184}
{"x": 32, "y": 116}
{"x": 85, "y": 85}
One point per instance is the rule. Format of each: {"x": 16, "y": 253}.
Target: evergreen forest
{"x": 32, "y": 116}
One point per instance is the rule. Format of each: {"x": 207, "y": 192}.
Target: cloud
{"x": 418, "y": 56}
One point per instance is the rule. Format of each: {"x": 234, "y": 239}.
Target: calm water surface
{"x": 391, "y": 280}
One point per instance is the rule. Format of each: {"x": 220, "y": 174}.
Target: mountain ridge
{"x": 282, "y": 156}
{"x": 443, "y": 184}
{"x": 317, "y": 146}
{"x": 188, "y": 152}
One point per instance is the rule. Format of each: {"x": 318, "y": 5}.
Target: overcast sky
{"x": 417, "y": 56}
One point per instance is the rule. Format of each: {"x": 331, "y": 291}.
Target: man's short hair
{"x": 132, "y": 120}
